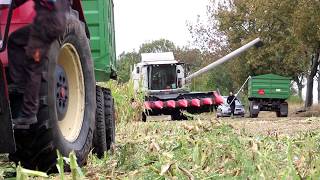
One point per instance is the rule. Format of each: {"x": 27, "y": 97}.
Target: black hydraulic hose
{"x": 6, "y": 33}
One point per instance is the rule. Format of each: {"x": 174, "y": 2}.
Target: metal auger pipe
{"x": 224, "y": 59}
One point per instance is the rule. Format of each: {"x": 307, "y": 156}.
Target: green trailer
{"x": 100, "y": 20}
{"x": 269, "y": 92}
{"x": 99, "y": 17}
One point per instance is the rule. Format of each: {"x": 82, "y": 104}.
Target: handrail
{"x": 7, "y": 28}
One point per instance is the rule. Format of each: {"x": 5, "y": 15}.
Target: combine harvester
{"x": 164, "y": 80}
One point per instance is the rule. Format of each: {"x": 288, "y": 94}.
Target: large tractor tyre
{"x": 66, "y": 116}
{"x": 100, "y": 135}
{"x": 109, "y": 113}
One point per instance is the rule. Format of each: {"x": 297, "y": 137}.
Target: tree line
{"x": 290, "y": 30}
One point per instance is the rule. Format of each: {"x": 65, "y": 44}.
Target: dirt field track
{"x": 267, "y": 123}
{"x": 271, "y": 126}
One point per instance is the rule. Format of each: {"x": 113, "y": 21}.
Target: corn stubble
{"x": 206, "y": 150}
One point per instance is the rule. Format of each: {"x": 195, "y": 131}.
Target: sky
{"x": 141, "y": 21}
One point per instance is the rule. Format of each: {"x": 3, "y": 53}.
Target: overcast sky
{"x": 145, "y": 20}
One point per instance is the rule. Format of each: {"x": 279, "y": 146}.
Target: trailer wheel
{"x": 66, "y": 116}
{"x": 99, "y": 135}
{"x": 283, "y": 110}
{"x": 253, "y": 115}
{"x": 253, "y": 112}
{"x": 109, "y": 113}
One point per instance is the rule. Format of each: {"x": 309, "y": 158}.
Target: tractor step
{"x": 21, "y": 127}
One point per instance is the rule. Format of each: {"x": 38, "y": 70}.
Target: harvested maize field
{"x": 211, "y": 148}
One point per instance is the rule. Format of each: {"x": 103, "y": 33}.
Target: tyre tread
{"x": 99, "y": 135}
{"x": 109, "y": 117}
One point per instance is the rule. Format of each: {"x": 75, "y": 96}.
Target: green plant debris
{"x": 25, "y": 174}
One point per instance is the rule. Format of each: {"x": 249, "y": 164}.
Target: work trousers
{"x": 24, "y": 71}
{"x": 232, "y": 109}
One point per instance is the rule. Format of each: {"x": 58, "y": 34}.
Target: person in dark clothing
{"x": 27, "y": 47}
{"x": 232, "y": 102}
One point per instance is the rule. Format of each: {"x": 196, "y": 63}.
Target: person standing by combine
{"x": 232, "y": 102}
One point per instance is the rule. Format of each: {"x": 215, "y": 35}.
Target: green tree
{"x": 306, "y": 23}
{"x": 217, "y": 78}
{"x": 192, "y": 57}
{"x": 125, "y": 63}
{"x": 157, "y": 46}
{"x": 237, "y": 22}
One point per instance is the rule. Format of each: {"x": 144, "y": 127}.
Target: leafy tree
{"x": 306, "y": 25}
{"x": 218, "y": 78}
{"x": 192, "y": 57}
{"x": 237, "y": 22}
{"x": 157, "y": 46}
{"x": 125, "y": 63}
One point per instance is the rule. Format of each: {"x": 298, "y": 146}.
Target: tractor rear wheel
{"x": 66, "y": 116}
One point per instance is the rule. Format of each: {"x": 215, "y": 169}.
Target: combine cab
{"x": 164, "y": 79}
{"x": 74, "y": 113}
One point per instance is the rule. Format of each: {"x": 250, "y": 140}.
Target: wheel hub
{"x": 62, "y": 92}
{"x": 70, "y": 92}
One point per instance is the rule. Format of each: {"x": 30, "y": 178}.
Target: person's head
{"x": 231, "y": 93}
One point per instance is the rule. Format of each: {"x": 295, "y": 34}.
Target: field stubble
{"x": 209, "y": 148}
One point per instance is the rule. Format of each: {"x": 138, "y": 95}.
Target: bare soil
{"x": 267, "y": 123}
{"x": 275, "y": 126}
